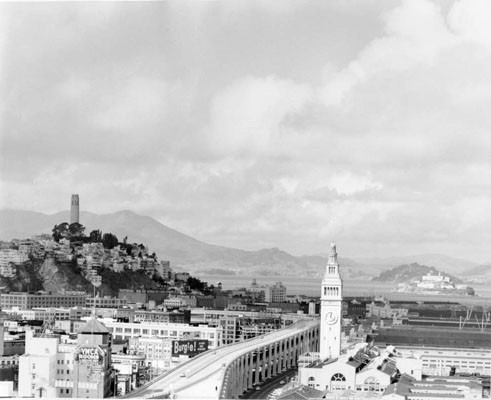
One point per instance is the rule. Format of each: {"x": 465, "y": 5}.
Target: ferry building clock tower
{"x": 331, "y": 296}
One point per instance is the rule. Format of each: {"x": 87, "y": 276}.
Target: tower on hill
{"x": 331, "y": 307}
{"x": 75, "y": 210}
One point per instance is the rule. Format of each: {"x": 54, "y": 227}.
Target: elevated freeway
{"x": 230, "y": 370}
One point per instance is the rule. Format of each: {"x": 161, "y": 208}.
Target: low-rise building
{"x": 452, "y": 387}
{"x": 12, "y": 256}
{"x": 361, "y": 368}
{"x": 104, "y": 302}
{"x": 441, "y": 351}
{"x": 24, "y": 300}
{"x": 123, "y": 330}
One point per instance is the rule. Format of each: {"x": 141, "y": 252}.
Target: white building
{"x": 361, "y": 369}
{"x": 37, "y": 367}
{"x": 12, "y": 256}
{"x": 275, "y": 293}
{"x": 384, "y": 310}
{"x": 124, "y": 330}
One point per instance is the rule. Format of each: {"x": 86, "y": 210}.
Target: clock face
{"x": 331, "y": 317}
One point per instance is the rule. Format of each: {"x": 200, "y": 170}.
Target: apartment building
{"x": 12, "y": 256}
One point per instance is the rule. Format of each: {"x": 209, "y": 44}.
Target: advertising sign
{"x": 92, "y": 355}
{"x": 188, "y": 347}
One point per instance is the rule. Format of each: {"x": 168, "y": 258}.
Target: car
{"x": 282, "y": 382}
{"x": 258, "y": 387}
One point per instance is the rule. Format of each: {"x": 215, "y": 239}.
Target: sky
{"x": 255, "y": 124}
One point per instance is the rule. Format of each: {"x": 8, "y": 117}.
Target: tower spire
{"x": 333, "y": 256}
{"x": 331, "y": 308}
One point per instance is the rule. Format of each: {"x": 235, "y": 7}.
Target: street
{"x": 268, "y": 386}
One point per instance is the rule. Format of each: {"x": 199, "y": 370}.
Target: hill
{"x": 197, "y": 257}
{"x": 409, "y": 273}
{"x": 182, "y": 250}
{"x": 57, "y": 277}
{"x": 445, "y": 263}
{"x": 479, "y": 274}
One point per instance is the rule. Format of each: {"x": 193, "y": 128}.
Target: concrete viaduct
{"x": 228, "y": 371}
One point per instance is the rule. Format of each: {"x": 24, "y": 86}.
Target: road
{"x": 271, "y": 384}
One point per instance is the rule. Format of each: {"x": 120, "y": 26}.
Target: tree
{"x": 76, "y": 231}
{"x": 109, "y": 241}
{"x": 60, "y": 231}
{"x": 196, "y": 284}
{"x": 95, "y": 236}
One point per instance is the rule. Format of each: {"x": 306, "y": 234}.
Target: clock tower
{"x": 331, "y": 296}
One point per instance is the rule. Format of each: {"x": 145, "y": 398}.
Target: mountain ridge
{"x": 194, "y": 255}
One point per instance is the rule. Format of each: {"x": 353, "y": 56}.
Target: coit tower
{"x": 331, "y": 297}
{"x": 75, "y": 211}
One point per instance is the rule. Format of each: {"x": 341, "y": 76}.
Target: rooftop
{"x": 93, "y": 326}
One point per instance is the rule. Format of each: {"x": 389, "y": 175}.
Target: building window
{"x": 372, "y": 384}
{"x": 311, "y": 381}
{"x": 338, "y": 378}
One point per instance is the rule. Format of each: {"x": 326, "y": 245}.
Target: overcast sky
{"x": 257, "y": 124}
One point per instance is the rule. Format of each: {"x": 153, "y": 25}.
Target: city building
{"x": 130, "y": 370}
{"x": 441, "y": 351}
{"x": 362, "y": 368}
{"x": 24, "y": 300}
{"x": 238, "y": 325}
{"x": 275, "y": 293}
{"x": 92, "y": 361}
{"x": 15, "y": 256}
{"x": 37, "y": 367}
{"x": 8, "y": 270}
{"x": 59, "y": 366}
{"x": 383, "y": 309}
{"x": 104, "y": 302}
{"x": 124, "y": 330}
{"x": 164, "y": 317}
{"x": 450, "y": 387}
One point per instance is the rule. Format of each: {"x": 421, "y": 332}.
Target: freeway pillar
{"x": 268, "y": 363}
{"x": 278, "y": 357}
{"x": 238, "y": 376}
{"x": 250, "y": 380}
{"x": 258, "y": 366}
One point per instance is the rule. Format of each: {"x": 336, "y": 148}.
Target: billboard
{"x": 92, "y": 355}
{"x": 188, "y": 347}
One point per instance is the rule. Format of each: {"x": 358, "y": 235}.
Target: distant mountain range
{"x": 195, "y": 256}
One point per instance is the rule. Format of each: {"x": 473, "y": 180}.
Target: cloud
{"x": 251, "y": 116}
{"x": 370, "y": 130}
